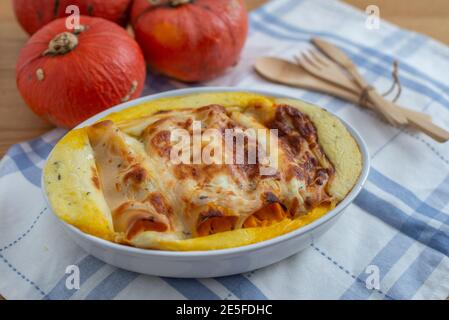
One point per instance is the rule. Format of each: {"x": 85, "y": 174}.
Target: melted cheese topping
{"x": 121, "y": 167}
{"x": 146, "y": 191}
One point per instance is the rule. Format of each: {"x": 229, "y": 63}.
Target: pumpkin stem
{"x": 61, "y": 44}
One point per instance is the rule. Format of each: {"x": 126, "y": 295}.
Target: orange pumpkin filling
{"x": 266, "y": 216}
{"x": 216, "y": 225}
{"x": 145, "y": 225}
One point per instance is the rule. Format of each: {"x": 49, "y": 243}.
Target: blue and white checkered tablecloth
{"x": 398, "y": 225}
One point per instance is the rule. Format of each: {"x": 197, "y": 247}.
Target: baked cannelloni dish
{"x": 202, "y": 172}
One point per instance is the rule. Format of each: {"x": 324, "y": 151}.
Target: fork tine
{"x": 305, "y": 63}
{"x": 320, "y": 58}
{"x": 297, "y": 59}
{"x": 300, "y": 60}
{"x": 306, "y": 56}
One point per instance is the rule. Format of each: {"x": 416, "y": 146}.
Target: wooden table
{"x": 18, "y": 123}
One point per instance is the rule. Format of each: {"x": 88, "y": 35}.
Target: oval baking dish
{"x": 251, "y": 245}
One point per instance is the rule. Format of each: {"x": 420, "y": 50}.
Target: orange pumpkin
{"x": 190, "y": 40}
{"x": 34, "y": 14}
{"x": 66, "y": 76}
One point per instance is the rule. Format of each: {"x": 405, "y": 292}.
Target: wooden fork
{"x": 292, "y": 74}
{"x": 324, "y": 68}
{"x": 340, "y": 79}
{"x": 321, "y": 67}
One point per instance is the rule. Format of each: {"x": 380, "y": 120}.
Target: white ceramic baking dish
{"x": 203, "y": 264}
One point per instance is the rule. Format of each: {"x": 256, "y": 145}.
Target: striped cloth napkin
{"x": 391, "y": 243}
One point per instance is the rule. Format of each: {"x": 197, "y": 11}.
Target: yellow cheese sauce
{"x": 190, "y": 101}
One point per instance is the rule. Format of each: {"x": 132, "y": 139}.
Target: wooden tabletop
{"x": 18, "y": 123}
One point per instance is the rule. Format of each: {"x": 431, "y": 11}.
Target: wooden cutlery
{"x": 383, "y": 106}
{"x": 335, "y": 74}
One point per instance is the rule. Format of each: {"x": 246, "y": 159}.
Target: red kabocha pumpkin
{"x": 66, "y": 76}
{"x": 190, "y": 40}
{"x": 34, "y": 14}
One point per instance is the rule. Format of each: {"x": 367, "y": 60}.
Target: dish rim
{"x": 134, "y": 251}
